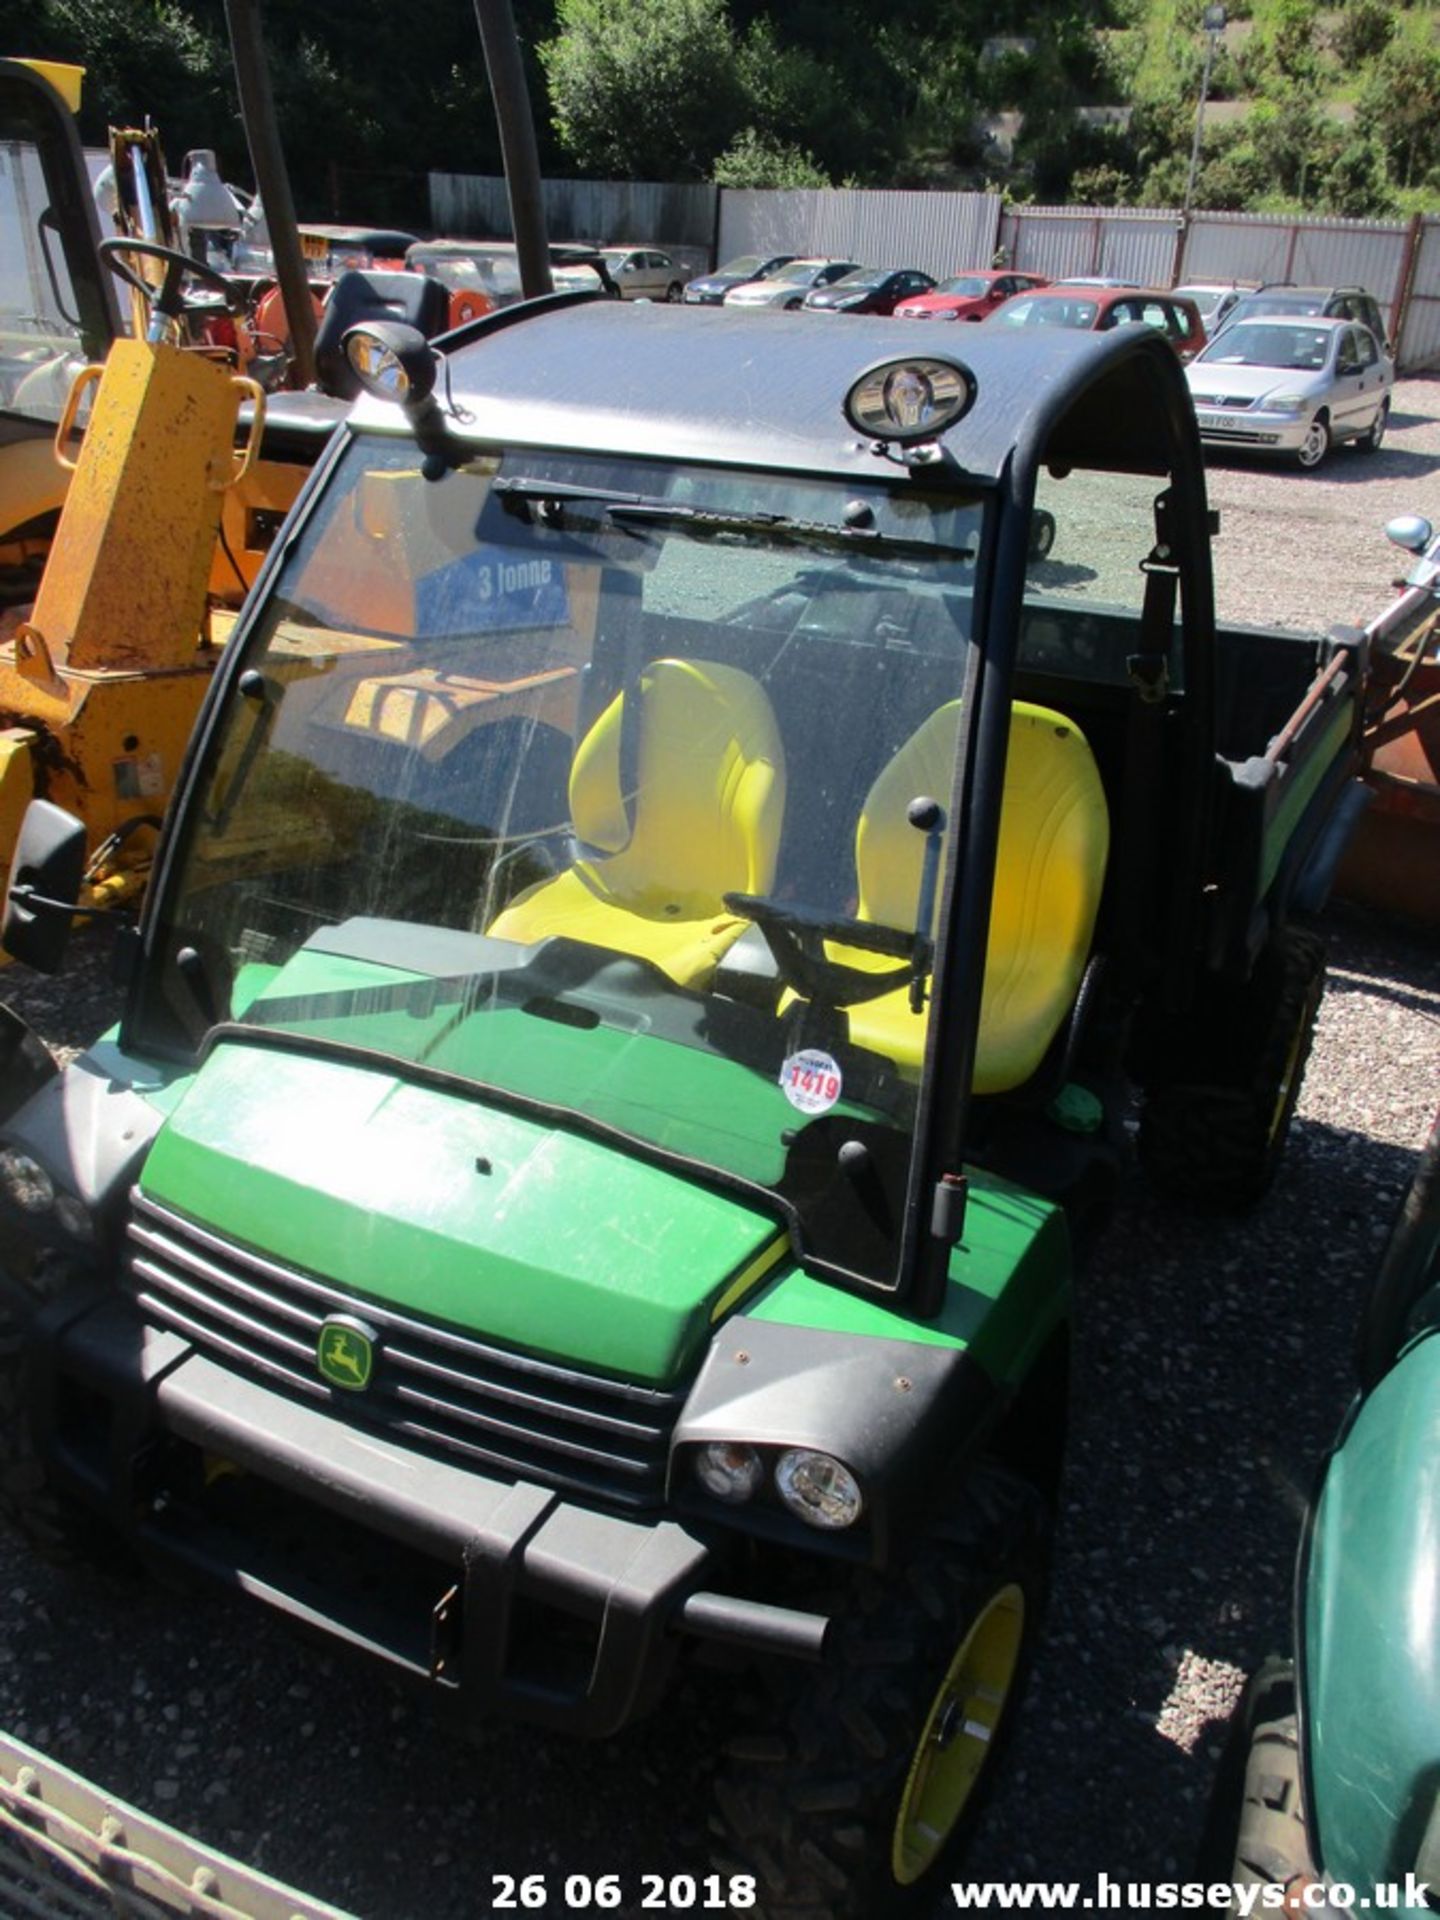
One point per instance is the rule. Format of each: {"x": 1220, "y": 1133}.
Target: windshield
{"x": 41, "y": 334}
{"x": 863, "y": 277}
{"x": 1045, "y": 311}
{"x": 555, "y": 776}
{"x": 1206, "y": 299}
{"x": 1254, "y": 343}
{"x": 970, "y": 285}
{"x": 799, "y": 273}
{"x": 1297, "y": 303}
{"x": 747, "y": 267}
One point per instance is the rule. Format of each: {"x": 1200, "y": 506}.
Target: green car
{"x": 670, "y": 901}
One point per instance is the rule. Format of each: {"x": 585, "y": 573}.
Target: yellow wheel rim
{"x": 1287, "y": 1081}
{"x": 959, "y": 1728}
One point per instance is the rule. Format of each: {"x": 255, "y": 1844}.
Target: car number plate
{"x": 1221, "y": 422}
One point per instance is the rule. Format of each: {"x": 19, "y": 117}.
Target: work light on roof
{"x": 391, "y": 360}
{"x": 909, "y": 399}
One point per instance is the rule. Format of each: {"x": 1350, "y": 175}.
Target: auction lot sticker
{"x": 811, "y": 1080}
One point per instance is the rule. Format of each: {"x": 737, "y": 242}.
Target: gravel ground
{"x": 1212, "y": 1368}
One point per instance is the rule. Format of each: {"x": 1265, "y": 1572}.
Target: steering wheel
{"x": 796, "y": 937}
{"x": 179, "y": 267}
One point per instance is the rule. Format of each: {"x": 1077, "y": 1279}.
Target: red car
{"x": 969, "y": 296}
{"x": 1095, "y": 309}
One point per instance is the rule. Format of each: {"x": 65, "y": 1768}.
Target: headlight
{"x": 818, "y": 1488}
{"x": 25, "y": 1183}
{"x": 728, "y": 1470}
{"x": 1286, "y": 403}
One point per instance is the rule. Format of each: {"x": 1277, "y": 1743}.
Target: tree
{"x": 1365, "y": 29}
{"x": 1401, "y": 103}
{"x": 1102, "y": 186}
{"x": 794, "y": 103}
{"x": 755, "y": 160}
{"x": 1356, "y": 183}
{"x": 644, "y": 89}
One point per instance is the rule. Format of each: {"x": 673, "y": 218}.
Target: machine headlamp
{"x": 910, "y": 399}
{"x": 818, "y": 1488}
{"x": 729, "y": 1470}
{"x": 391, "y": 361}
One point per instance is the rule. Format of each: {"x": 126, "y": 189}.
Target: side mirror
{"x": 1411, "y": 531}
{"x": 45, "y": 880}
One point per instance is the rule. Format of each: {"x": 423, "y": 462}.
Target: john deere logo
{"x": 345, "y": 1354}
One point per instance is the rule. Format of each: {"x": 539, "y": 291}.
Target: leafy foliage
{"x": 790, "y": 92}
{"x": 644, "y": 89}
{"x": 755, "y": 160}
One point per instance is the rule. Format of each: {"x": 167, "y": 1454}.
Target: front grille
{"x": 1246, "y": 437}
{"x": 1231, "y": 402}
{"x": 437, "y": 1389}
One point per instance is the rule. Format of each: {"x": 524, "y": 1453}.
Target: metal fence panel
{"x": 1354, "y": 254}
{"x": 1138, "y": 245}
{"x": 623, "y": 212}
{"x": 939, "y": 233}
{"x": 1140, "y": 250}
{"x": 1228, "y": 246}
{"x": 1321, "y": 253}
{"x": 1420, "y": 338}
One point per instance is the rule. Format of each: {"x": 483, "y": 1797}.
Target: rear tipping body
{"x": 622, "y": 1035}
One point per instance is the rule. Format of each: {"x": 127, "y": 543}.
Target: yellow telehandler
{"x": 163, "y": 524}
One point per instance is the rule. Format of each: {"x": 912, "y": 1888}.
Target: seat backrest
{"x": 709, "y": 797}
{"x": 1050, "y": 864}
{"x": 412, "y": 298}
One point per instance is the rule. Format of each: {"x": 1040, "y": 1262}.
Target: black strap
{"x": 1149, "y": 671}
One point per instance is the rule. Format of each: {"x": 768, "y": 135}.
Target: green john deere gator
{"x": 703, "y": 829}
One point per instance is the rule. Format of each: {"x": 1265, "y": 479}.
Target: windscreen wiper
{"x": 779, "y": 526}
{"x": 631, "y": 510}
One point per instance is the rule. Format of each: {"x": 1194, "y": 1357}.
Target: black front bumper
{"x": 500, "y": 1595}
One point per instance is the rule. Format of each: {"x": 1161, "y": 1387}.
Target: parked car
{"x": 869, "y": 290}
{"x": 1216, "y": 299}
{"x": 1098, "y": 309}
{"x": 709, "y": 289}
{"x": 969, "y": 296}
{"x": 1292, "y": 387}
{"x": 1301, "y": 303}
{"x": 787, "y": 287}
{"x": 643, "y": 273}
{"x": 1093, "y": 280}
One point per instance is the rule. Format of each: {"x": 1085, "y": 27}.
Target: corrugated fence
{"x": 622, "y": 212}
{"x": 939, "y": 233}
{"x": 1138, "y": 246}
{"x": 944, "y": 233}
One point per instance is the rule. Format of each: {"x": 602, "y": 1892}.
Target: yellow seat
{"x": 704, "y": 821}
{"x": 1050, "y": 868}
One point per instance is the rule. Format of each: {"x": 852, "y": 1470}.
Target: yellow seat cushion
{"x": 1050, "y": 870}
{"x": 705, "y": 821}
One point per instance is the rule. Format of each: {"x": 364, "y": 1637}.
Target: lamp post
{"x": 1214, "y": 25}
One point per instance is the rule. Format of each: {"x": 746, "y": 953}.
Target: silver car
{"x": 1292, "y": 387}
{"x": 644, "y": 273}
{"x": 1216, "y": 299}
{"x": 787, "y": 287}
